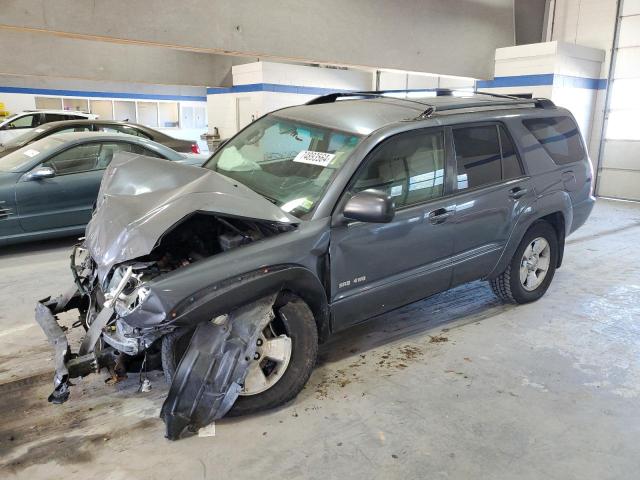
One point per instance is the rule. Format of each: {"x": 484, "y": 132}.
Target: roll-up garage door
{"x": 619, "y": 175}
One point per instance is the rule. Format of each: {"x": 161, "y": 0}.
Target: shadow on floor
{"x": 462, "y": 305}
{"x": 38, "y": 246}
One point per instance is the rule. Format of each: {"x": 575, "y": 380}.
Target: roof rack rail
{"x": 430, "y": 109}
{"x": 333, "y": 97}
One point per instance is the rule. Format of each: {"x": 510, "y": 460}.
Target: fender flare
{"x": 542, "y": 206}
{"x": 217, "y": 299}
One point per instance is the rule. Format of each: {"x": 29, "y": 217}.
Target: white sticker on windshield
{"x": 320, "y": 159}
{"x": 31, "y": 153}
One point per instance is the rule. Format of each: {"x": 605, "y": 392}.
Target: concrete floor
{"x": 457, "y": 386}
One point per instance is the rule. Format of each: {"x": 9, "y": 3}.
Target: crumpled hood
{"x": 141, "y": 198}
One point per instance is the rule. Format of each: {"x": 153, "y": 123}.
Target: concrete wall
{"x": 442, "y": 36}
{"x": 54, "y": 56}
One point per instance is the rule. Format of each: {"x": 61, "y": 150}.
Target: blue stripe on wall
{"x": 274, "y": 87}
{"x": 544, "y": 79}
{"x": 85, "y": 94}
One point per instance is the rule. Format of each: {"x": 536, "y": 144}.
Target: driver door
{"x": 376, "y": 267}
{"x": 65, "y": 200}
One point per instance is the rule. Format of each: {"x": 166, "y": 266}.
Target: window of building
{"x": 48, "y": 103}
{"x": 102, "y": 108}
{"x": 559, "y": 136}
{"x": 76, "y": 104}
{"x": 125, "y": 111}
{"x": 169, "y": 114}
{"x": 148, "y": 113}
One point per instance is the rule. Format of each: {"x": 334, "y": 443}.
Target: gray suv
{"x": 312, "y": 219}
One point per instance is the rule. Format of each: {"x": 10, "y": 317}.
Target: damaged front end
{"x": 136, "y": 238}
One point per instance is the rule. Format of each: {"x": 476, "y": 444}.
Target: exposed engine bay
{"x": 111, "y": 343}
{"x": 198, "y": 237}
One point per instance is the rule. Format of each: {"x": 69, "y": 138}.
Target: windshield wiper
{"x": 271, "y": 199}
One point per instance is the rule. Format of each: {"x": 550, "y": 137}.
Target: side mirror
{"x": 373, "y": 206}
{"x": 41, "y": 173}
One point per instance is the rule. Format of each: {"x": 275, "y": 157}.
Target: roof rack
{"x": 507, "y": 100}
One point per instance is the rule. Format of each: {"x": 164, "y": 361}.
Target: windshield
{"x": 289, "y": 162}
{"x": 22, "y": 140}
{"x": 20, "y": 160}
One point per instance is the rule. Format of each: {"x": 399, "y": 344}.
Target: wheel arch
{"x": 553, "y": 208}
{"x": 217, "y": 299}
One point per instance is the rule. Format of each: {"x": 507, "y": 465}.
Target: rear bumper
{"x": 581, "y": 212}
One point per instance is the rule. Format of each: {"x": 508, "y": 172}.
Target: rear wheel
{"x": 529, "y": 274}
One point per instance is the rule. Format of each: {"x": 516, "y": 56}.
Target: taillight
{"x": 195, "y": 148}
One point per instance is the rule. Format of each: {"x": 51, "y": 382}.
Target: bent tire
{"x": 295, "y": 320}
{"x": 532, "y": 267}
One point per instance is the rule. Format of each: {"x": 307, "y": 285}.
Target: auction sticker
{"x": 320, "y": 159}
{"x": 31, "y": 153}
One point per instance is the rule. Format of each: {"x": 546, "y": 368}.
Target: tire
{"x": 299, "y": 323}
{"x": 296, "y": 320}
{"x": 508, "y": 285}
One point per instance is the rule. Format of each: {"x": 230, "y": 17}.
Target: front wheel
{"x": 285, "y": 357}
{"x": 529, "y": 274}
{"x": 286, "y": 353}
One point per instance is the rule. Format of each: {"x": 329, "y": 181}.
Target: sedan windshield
{"x": 22, "y": 140}
{"x": 20, "y": 160}
{"x": 289, "y": 162}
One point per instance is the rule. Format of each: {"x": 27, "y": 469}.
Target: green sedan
{"x": 48, "y": 188}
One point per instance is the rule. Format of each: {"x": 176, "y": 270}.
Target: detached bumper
{"x": 67, "y": 364}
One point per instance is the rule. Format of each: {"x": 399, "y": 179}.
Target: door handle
{"x": 440, "y": 215}
{"x": 518, "y": 192}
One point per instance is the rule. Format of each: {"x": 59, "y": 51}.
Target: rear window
{"x": 559, "y": 136}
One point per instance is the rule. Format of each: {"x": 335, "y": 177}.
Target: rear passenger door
{"x": 491, "y": 191}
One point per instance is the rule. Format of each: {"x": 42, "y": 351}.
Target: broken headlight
{"x": 126, "y": 290}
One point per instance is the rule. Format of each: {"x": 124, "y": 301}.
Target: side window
{"x": 74, "y": 160}
{"x": 26, "y": 121}
{"x": 54, "y": 117}
{"x": 145, "y": 151}
{"x": 108, "y": 150}
{"x": 559, "y": 136}
{"x": 409, "y": 167}
{"x": 511, "y": 167}
{"x": 74, "y": 117}
{"x": 484, "y": 155}
{"x": 477, "y": 156}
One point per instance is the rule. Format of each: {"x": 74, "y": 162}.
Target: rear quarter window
{"x": 559, "y": 136}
